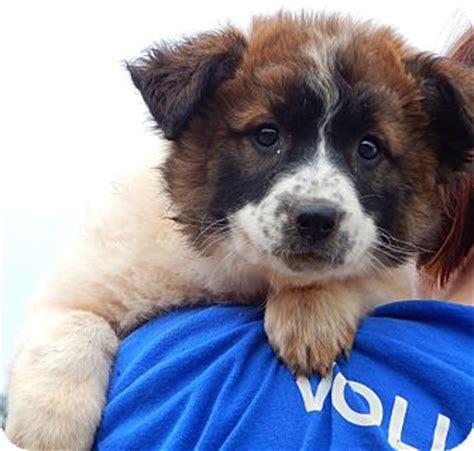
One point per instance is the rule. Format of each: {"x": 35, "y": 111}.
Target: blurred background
{"x": 70, "y": 117}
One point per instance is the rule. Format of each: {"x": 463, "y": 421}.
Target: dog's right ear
{"x": 174, "y": 79}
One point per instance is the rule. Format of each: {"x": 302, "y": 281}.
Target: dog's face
{"x": 312, "y": 146}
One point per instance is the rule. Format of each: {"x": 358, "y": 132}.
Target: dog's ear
{"x": 174, "y": 79}
{"x": 447, "y": 95}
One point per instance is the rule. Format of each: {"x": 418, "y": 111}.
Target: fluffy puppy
{"x": 300, "y": 165}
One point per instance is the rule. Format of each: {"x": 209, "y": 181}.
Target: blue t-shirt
{"x": 206, "y": 378}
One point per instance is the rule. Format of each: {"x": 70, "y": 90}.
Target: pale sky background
{"x": 70, "y": 117}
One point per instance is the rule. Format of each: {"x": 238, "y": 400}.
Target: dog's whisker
{"x": 220, "y": 263}
{"x": 389, "y": 236}
{"x": 389, "y": 255}
{"x": 211, "y": 241}
{"x": 395, "y": 249}
{"x": 207, "y": 228}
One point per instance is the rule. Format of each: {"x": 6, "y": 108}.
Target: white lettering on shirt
{"x": 375, "y": 414}
{"x": 336, "y": 385}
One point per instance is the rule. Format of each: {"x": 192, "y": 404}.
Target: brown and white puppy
{"x": 300, "y": 165}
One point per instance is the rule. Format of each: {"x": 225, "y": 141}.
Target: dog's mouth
{"x": 295, "y": 255}
{"x": 301, "y": 259}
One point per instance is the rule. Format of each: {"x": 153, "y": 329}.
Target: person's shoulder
{"x": 426, "y": 332}
{"x": 427, "y": 311}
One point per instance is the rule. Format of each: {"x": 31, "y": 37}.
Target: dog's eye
{"x": 266, "y": 137}
{"x": 369, "y": 149}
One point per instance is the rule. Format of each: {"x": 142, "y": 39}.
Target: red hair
{"x": 456, "y": 237}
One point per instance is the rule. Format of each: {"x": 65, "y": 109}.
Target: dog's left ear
{"x": 447, "y": 91}
{"x": 175, "y": 79}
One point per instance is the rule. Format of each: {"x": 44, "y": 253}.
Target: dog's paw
{"x": 64, "y": 418}
{"x": 305, "y": 334}
{"x": 308, "y": 348}
{"x": 58, "y": 381}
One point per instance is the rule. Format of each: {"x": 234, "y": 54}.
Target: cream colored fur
{"x": 130, "y": 262}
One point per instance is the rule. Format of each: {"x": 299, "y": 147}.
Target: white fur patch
{"x": 320, "y": 180}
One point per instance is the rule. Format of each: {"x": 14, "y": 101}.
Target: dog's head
{"x": 311, "y": 146}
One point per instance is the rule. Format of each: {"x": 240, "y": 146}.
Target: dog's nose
{"x": 315, "y": 222}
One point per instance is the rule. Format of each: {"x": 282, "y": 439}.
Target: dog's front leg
{"x": 59, "y": 378}
{"x": 309, "y": 327}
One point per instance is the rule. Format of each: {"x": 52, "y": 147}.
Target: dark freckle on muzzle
{"x": 337, "y": 196}
{"x": 285, "y": 201}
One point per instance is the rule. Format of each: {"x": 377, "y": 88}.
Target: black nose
{"x": 315, "y": 222}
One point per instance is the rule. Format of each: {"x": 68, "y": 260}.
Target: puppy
{"x": 300, "y": 165}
